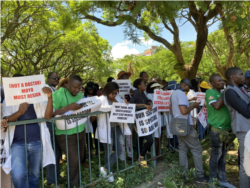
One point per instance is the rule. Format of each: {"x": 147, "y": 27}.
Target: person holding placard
{"x": 220, "y": 121}
{"x": 35, "y": 134}
{"x": 180, "y": 110}
{"x": 157, "y": 134}
{"x": 140, "y": 99}
{"x": 65, "y": 100}
{"x": 115, "y": 130}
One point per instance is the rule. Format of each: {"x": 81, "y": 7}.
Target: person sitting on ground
{"x": 22, "y": 174}
{"x": 115, "y": 134}
{"x": 140, "y": 99}
{"x": 238, "y": 104}
{"x": 180, "y": 109}
{"x": 64, "y": 100}
{"x": 220, "y": 121}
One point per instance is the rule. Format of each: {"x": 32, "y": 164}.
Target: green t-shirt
{"x": 59, "y": 101}
{"x": 217, "y": 118}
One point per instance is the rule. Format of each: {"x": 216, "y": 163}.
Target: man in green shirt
{"x": 219, "y": 119}
{"x": 65, "y": 100}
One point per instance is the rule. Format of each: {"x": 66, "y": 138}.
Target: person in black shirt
{"x": 140, "y": 99}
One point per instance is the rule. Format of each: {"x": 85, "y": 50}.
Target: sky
{"x": 121, "y": 46}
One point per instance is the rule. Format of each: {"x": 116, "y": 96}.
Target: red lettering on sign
{"x": 17, "y": 97}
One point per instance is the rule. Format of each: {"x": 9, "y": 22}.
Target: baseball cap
{"x": 188, "y": 82}
{"x": 91, "y": 85}
{"x": 122, "y": 73}
{"x": 247, "y": 74}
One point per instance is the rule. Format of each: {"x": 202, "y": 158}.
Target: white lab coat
{"x": 48, "y": 153}
{"x": 103, "y": 123}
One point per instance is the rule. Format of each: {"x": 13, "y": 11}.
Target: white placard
{"x": 2, "y": 150}
{"x": 146, "y": 121}
{"x": 202, "y": 116}
{"x": 90, "y": 104}
{"x": 201, "y": 98}
{"x": 122, "y": 113}
{"x": 162, "y": 100}
{"x": 22, "y": 89}
{"x": 124, "y": 86}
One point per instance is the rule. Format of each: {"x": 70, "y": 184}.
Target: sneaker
{"x": 202, "y": 180}
{"x": 226, "y": 184}
{"x": 111, "y": 178}
{"x": 103, "y": 172}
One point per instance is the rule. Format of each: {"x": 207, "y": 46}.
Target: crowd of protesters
{"x": 228, "y": 109}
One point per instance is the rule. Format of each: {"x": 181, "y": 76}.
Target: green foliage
{"x": 51, "y": 39}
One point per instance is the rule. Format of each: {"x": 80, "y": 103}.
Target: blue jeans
{"x": 18, "y": 164}
{"x": 50, "y": 169}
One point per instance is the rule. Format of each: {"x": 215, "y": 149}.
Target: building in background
{"x": 148, "y": 52}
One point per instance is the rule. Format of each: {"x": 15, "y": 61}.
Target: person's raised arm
{"x": 186, "y": 110}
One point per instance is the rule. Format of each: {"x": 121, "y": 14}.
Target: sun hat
{"x": 157, "y": 85}
{"x": 205, "y": 85}
{"x": 122, "y": 73}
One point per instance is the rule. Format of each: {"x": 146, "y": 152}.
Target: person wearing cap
{"x": 157, "y": 134}
{"x": 180, "y": 108}
{"x": 247, "y": 82}
{"x": 220, "y": 121}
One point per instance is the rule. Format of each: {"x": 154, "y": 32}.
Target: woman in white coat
{"x": 115, "y": 130}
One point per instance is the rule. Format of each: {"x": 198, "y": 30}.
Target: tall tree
{"x": 150, "y": 17}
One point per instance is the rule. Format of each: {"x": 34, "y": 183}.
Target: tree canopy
{"x": 151, "y": 17}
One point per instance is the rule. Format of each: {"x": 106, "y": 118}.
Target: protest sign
{"x": 201, "y": 98}
{"x": 28, "y": 89}
{"x": 162, "y": 100}
{"x": 2, "y": 150}
{"x": 124, "y": 86}
{"x": 146, "y": 121}
{"x": 202, "y": 116}
{"x": 122, "y": 113}
{"x": 90, "y": 104}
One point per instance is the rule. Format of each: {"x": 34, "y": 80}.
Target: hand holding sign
{"x": 47, "y": 91}
{"x": 148, "y": 107}
{"x": 196, "y": 104}
{"x": 23, "y": 108}
{"x": 74, "y": 106}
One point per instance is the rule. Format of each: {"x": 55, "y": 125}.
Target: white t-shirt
{"x": 191, "y": 94}
{"x": 179, "y": 98}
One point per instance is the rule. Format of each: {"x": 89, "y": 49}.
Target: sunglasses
{"x": 55, "y": 78}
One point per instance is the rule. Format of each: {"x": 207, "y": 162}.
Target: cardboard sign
{"x": 2, "y": 150}
{"x": 90, "y": 104}
{"x": 202, "y": 116}
{"x": 124, "y": 86}
{"x": 28, "y": 89}
{"x": 146, "y": 121}
{"x": 162, "y": 100}
{"x": 201, "y": 98}
{"x": 122, "y": 113}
